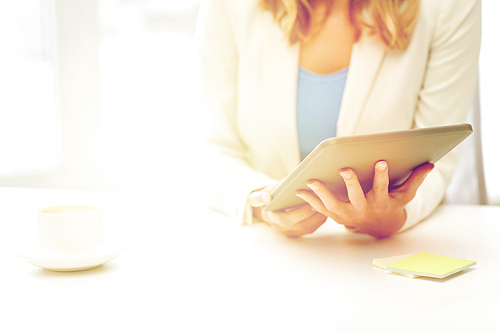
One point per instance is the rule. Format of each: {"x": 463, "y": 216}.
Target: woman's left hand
{"x": 379, "y": 213}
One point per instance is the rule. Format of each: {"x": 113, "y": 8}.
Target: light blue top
{"x": 318, "y": 106}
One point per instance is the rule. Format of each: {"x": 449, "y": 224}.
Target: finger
{"x": 354, "y": 229}
{"x": 259, "y": 198}
{"x": 410, "y": 186}
{"x": 288, "y": 218}
{"x": 313, "y": 201}
{"x": 306, "y": 227}
{"x": 329, "y": 201}
{"x": 380, "y": 186}
{"x": 354, "y": 191}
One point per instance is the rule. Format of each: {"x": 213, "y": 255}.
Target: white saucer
{"x": 67, "y": 261}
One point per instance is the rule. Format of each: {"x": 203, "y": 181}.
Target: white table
{"x": 193, "y": 270}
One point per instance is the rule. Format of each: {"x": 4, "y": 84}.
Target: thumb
{"x": 259, "y": 198}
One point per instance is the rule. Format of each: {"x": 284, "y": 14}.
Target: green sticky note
{"x": 432, "y": 265}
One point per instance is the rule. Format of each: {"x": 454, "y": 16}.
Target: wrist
{"x": 389, "y": 225}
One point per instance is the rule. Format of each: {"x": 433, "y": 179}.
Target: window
{"x": 100, "y": 94}
{"x": 148, "y": 93}
{"x": 489, "y": 69}
{"x": 29, "y": 131}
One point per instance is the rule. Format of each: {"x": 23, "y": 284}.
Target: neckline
{"x": 337, "y": 73}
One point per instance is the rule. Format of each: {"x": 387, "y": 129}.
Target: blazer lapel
{"x": 280, "y": 64}
{"x": 366, "y": 60}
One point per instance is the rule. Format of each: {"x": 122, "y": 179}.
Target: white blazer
{"x": 249, "y": 89}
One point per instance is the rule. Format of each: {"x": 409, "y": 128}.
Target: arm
{"x": 226, "y": 176}
{"x": 228, "y": 182}
{"x": 447, "y": 92}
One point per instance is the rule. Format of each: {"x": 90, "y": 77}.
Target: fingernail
{"x": 313, "y": 186}
{"x": 381, "y": 166}
{"x": 346, "y": 174}
{"x": 299, "y": 195}
{"x": 265, "y": 197}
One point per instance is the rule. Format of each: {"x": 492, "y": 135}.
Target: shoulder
{"x": 245, "y": 20}
{"x": 448, "y": 7}
{"x": 240, "y": 5}
{"x": 234, "y": 10}
{"x": 442, "y": 20}
{"x": 449, "y": 12}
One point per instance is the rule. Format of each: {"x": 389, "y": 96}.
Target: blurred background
{"x": 101, "y": 95}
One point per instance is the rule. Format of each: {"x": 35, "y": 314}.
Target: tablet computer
{"x": 403, "y": 150}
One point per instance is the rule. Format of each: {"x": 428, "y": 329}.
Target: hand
{"x": 380, "y": 213}
{"x": 293, "y": 222}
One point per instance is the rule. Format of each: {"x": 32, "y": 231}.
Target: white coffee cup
{"x": 70, "y": 227}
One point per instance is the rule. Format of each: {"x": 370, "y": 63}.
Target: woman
{"x": 386, "y": 65}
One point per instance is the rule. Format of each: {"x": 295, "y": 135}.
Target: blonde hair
{"x": 391, "y": 20}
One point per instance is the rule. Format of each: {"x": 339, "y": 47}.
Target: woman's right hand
{"x": 291, "y": 222}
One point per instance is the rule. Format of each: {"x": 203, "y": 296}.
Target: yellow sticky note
{"x": 384, "y": 262}
{"x": 432, "y": 265}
